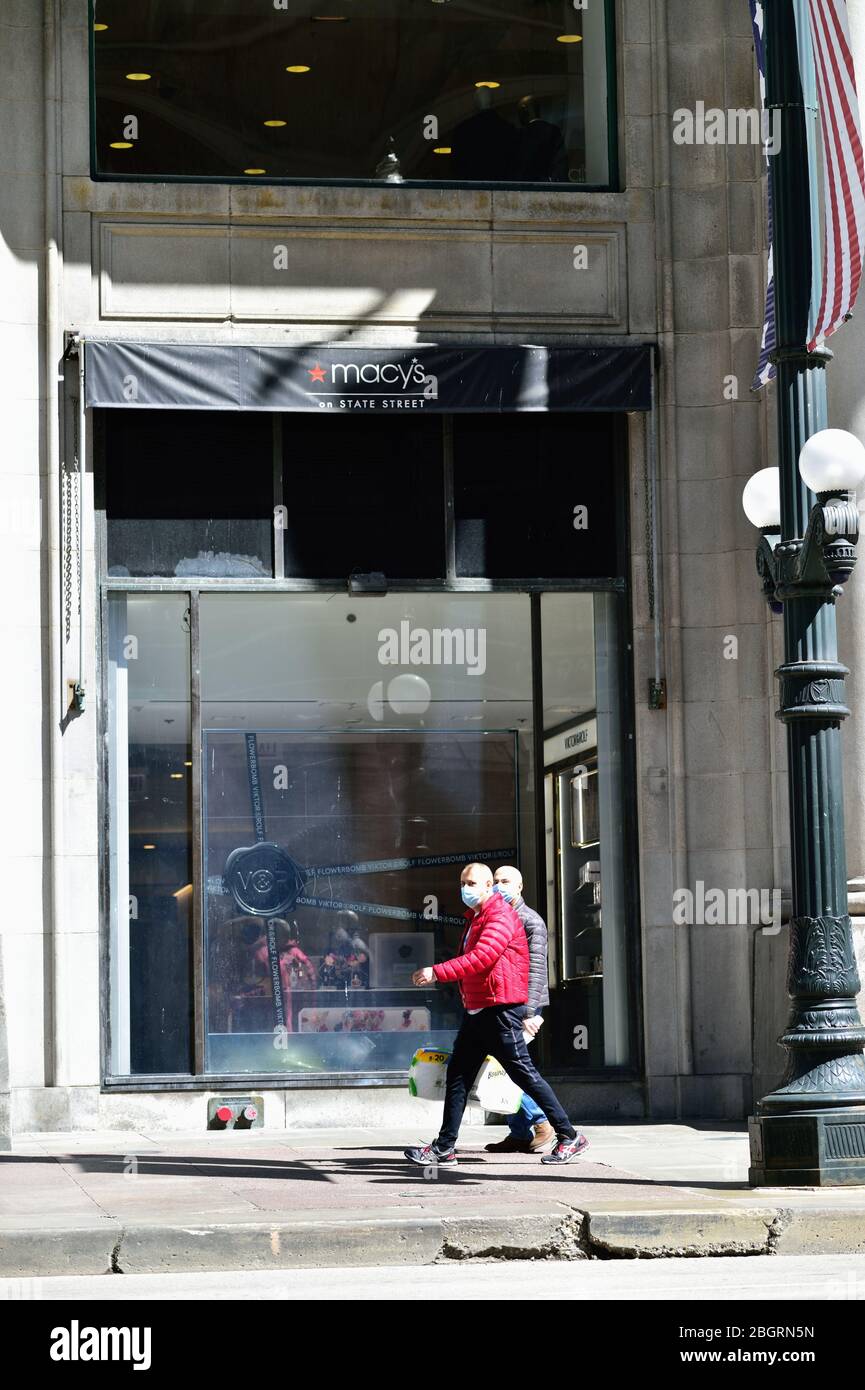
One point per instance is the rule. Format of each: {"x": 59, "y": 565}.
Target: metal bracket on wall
{"x": 76, "y": 695}
{"x": 657, "y": 694}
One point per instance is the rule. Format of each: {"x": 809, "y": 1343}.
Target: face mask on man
{"x": 470, "y": 896}
{"x": 508, "y": 892}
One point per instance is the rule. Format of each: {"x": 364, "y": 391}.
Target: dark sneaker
{"x": 565, "y": 1150}
{"x": 427, "y": 1156}
{"x": 511, "y": 1145}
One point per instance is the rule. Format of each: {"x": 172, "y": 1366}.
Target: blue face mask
{"x": 507, "y": 892}
{"x": 470, "y": 896}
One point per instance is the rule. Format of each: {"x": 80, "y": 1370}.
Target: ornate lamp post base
{"x": 811, "y": 1149}
{"x": 810, "y": 1132}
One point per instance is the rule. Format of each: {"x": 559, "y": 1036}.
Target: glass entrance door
{"x": 578, "y": 840}
{"x": 586, "y": 832}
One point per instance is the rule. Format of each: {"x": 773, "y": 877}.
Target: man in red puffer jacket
{"x": 493, "y": 975}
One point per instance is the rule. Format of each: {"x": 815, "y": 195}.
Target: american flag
{"x": 843, "y": 233}
{"x": 844, "y": 168}
{"x": 765, "y": 368}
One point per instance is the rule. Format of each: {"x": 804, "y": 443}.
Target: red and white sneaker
{"x": 565, "y": 1150}
{"x": 428, "y": 1156}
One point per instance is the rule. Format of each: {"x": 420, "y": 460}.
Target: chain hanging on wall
{"x": 67, "y": 484}
{"x": 76, "y": 519}
{"x": 70, "y": 503}
{"x": 649, "y": 498}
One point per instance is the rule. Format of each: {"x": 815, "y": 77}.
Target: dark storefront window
{"x": 191, "y": 500}
{"x": 354, "y": 749}
{"x": 535, "y": 503}
{"x": 378, "y": 90}
{"x": 355, "y": 505}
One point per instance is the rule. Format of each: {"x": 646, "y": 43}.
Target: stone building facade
{"x": 677, "y": 260}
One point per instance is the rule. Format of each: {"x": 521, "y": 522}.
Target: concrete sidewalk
{"x": 160, "y": 1202}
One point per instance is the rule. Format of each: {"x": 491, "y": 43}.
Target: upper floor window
{"x": 414, "y": 91}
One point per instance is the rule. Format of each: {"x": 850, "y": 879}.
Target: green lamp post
{"x": 810, "y": 1131}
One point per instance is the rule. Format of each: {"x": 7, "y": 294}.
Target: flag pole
{"x": 811, "y": 1129}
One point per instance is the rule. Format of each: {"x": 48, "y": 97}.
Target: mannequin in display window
{"x": 542, "y": 157}
{"x": 296, "y": 970}
{"x": 485, "y": 145}
{"x": 347, "y": 957}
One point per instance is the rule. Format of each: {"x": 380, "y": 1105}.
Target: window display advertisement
{"x": 310, "y": 964}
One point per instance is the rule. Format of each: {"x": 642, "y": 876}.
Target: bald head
{"x": 510, "y": 882}
{"x": 476, "y": 884}
{"x": 478, "y": 872}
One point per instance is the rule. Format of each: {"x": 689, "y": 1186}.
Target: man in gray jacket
{"x": 531, "y": 1131}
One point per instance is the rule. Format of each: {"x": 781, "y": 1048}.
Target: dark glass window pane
{"x": 189, "y": 493}
{"x": 518, "y": 480}
{"x": 228, "y": 89}
{"x": 363, "y": 493}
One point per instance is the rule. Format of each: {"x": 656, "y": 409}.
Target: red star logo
{"x": 317, "y": 373}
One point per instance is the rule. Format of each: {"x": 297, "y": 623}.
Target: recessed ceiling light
{"x": 148, "y": 847}
{"x": 255, "y": 171}
{"x": 298, "y": 67}
{"x": 121, "y": 144}
{"x": 443, "y": 149}
{"x": 488, "y": 84}
{"x": 138, "y": 76}
{"x": 274, "y": 124}
{"x": 99, "y": 28}
{"x": 569, "y": 38}
{"x": 188, "y": 764}
{"x": 176, "y": 776}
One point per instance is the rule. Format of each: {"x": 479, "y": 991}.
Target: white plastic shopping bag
{"x": 426, "y": 1074}
{"x": 494, "y": 1090}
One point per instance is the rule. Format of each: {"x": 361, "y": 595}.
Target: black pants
{"x": 495, "y": 1032}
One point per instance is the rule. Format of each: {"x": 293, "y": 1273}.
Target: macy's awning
{"x": 180, "y": 376}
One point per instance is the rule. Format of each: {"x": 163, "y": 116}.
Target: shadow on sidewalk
{"x": 385, "y": 1166}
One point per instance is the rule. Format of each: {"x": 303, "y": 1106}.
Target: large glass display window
{"x": 350, "y": 769}
{"x": 385, "y": 91}
{"x": 299, "y": 762}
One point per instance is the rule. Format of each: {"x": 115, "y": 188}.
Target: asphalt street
{"x": 835, "y": 1278}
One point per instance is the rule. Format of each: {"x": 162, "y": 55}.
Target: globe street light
{"x": 832, "y": 463}
{"x": 762, "y": 499}
{"x": 825, "y": 1079}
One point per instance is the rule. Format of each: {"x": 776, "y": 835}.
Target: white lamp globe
{"x": 832, "y": 461}
{"x": 762, "y": 499}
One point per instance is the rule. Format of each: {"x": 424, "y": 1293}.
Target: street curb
{"x": 659, "y": 1234}
{"x": 819, "y": 1231}
{"x": 352, "y": 1241}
